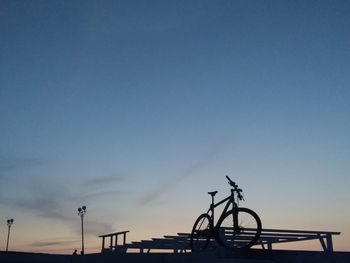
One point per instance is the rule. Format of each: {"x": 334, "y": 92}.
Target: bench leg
{"x": 329, "y": 243}
{"x": 326, "y": 242}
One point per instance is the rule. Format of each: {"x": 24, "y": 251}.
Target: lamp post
{"x": 81, "y": 213}
{"x": 9, "y": 224}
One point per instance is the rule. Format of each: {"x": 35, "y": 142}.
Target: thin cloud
{"x": 40, "y": 196}
{"x": 43, "y": 206}
{"x": 48, "y": 200}
{"x": 97, "y": 228}
{"x": 98, "y": 187}
{"x": 103, "y": 180}
{"x": 94, "y": 194}
{"x": 53, "y": 208}
{"x": 53, "y": 242}
{"x": 190, "y": 171}
{"x": 10, "y": 163}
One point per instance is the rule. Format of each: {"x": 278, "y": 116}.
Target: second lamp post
{"x": 9, "y": 224}
{"x": 81, "y": 213}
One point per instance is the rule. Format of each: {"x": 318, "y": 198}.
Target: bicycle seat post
{"x": 212, "y": 197}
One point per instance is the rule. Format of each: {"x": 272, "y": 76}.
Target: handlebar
{"x": 230, "y": 182}
{"x": 236, "y": 189}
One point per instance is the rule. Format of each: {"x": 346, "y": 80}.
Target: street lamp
{"x": 9, "y": 224}
{"x": 81, "y": 213}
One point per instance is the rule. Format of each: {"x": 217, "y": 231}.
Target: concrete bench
{"x": 180, "y": 243}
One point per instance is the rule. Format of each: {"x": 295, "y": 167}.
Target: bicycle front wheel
{"x": 245, "y": 234}
{"x": 201, "y": 232}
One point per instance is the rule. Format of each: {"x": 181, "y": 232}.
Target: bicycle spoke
{"x": 201, "y": 233}
{"x": 247, "y": 233}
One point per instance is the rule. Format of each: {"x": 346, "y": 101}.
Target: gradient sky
{"x": 137, "y": 108}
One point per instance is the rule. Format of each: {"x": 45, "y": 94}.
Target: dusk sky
{"x": 137, "y": 109}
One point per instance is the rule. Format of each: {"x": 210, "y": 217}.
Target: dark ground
{"x": 251, "y": 256}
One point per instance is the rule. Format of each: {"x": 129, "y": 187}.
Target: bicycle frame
{"x": 230, "y": 200}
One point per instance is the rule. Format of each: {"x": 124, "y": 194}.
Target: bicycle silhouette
{"x": 237, "y": 227}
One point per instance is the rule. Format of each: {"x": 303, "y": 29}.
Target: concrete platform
{"x": 220, "y": 256}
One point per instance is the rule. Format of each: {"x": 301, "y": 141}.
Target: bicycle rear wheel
{"x": 247, "y": 234}
{"x": 201, "y": 232}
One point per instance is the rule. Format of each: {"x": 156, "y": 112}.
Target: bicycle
{"x": 236, "y": 228}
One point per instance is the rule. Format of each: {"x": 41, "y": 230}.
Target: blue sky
{"x": 138, "y": 108}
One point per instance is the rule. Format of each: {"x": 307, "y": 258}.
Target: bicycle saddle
{"x": 213, "y": 193}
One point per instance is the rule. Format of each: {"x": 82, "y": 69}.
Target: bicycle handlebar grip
{"x": 232, "y": 183}
{"x": 228, "y": 178}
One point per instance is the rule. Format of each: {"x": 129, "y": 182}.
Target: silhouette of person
{"x": 75, "y": 253}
